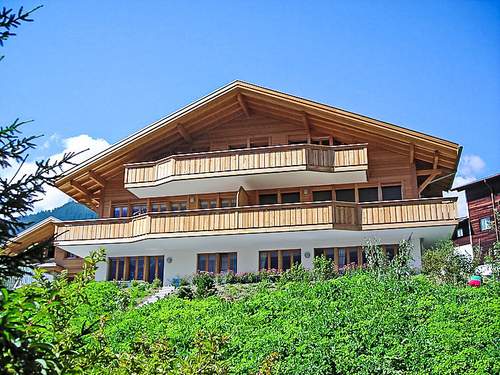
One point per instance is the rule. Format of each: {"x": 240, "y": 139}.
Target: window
{"x": 237, "y": 146}
{"x": 342, "y": 256}
{"x": 178, "y": 206}
{"x": 212, "y": 203}
{"x": 69, "y": 255}
{"x": 228, "y": 202}
{"x": 290, "y": 197}
{"x": 324, "y": 195}
{"x": 120, "y": 211}
{"x": 390, "y": 251}
{"x": 217, "y": 262}
{"x": 281, "y": 260}
{"x": 259, "y": 142}
{"x": 460, "y": 232}
{"x": 391, "y": 193}
{"x": 139, "y": 209}
{"x": 326, "y": 252}
{"x": 368, "y": 194}
{"x": 485, "y": 223}
{"x": 345, "y": 195}
{"x": 297, "y": 140}
{"x": 268, "y": 198}
{"x": 51, "y": 252}
{"x": 159, "y": 207}
{"x": 325, "y": 141}
{"x": 135, "y": 268}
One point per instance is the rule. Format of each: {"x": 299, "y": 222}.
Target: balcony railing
{"x": 249, "y": 160}
{"x": 265, "y": 218}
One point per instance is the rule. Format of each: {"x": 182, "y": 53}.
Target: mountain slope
{"x": 69, "y": 211}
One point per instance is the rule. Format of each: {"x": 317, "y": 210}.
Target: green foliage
{"x": 323, "y": 268}
{"x": 492, "y": 259}
{"x": 445, "y": 265}
{"x": 357, "y": 323}
{"x": 296, "y": 272}
{"x": 204, "y": 283}
{"x": 185, "y": 291}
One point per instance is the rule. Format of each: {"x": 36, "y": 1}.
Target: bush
{"x": 295, "y": 273}
{"x": 323, "y": 268}
{"x": 204, "y": 283}
{"x": 185, "y": 291}
{"x": 443, "y": 264}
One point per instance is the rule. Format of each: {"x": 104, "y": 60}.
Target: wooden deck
{"x": 249, "y": 160}
{"x": 266, "y": 218}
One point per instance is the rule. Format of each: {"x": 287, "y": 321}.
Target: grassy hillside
{"x": 354, "y": 324}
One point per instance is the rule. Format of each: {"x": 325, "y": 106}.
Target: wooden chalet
{"x": 250, "y": 178}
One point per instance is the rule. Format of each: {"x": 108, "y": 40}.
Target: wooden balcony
{"x": 251, "y": 168}
{"x": 264, "y": 219}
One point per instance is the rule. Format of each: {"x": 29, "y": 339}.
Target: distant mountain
{"x": 69, "y": 211}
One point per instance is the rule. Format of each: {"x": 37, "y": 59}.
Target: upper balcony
{"x": 253, "y": 168}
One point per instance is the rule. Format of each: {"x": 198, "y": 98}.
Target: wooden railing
{"x": 315, "y": 157}
{"x": 266, "y": 218}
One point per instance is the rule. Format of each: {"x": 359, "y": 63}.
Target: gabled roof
{"x": 486, "y": 180}
{"x": 238, "y": 100}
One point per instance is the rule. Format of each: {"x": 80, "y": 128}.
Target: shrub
{"x": 156, "y": 283}
{"x": 323, "y": 268}
{"x": 295, "y": 273}
{"x": 445, "y": 265}
{"x": 185, "y": 292}
{"x": 205, "y": 284}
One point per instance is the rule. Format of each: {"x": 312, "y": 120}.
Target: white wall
{"x": 184, "y": 253}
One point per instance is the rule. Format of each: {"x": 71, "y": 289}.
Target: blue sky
{"x": 97, "y": 71}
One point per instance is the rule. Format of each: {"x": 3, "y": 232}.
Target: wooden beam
{"x": 184, "y": 134}
{"x": 99, "y": 180}
{"x": 436, "y": 160}
{"x": 306, "y": 122}
{"x": 88, "y": 195}
{"x": 427, "y": 181}
{"x": 412, "y": 153}
{"x": 243, "y": 105}
{"x": 426, "y": 172}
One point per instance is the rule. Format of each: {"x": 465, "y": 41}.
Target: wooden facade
{"x": 242, "y": 130}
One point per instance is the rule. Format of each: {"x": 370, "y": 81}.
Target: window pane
{"x": 485, "y": 223}
{"x": 151, "y": 276}
{"x": 363, "y": 257}
{"x": 224, "y": 263}
{"x": 345, "y": 195}
{"x": 233, "y": 263}
{"x": 296, "y": 257}
{"x": 297, "y": 141}
{"x": 342, "y": 258}
{"x": 353, "y": 256}
{"x": 112, "y": 269}
{"x": 131, "y": 270}
{"x": 460, "y": 232}
{"x": 116, "y": 211}
{"x": 140, "y": 268}
{"x": 368, "y": 194}
{"x": 287, "y": 260}
{"x": 212, "y": 260}
{"x": 263, "y": 264}
{"x": 228, "y": 202}
{"x": 202, "y": 262}
{"x": 139, "y": 209}
{"x": 268, "y": 198}
{"x": 318, "y": 252}
{"x": 320, "y": 141}
{"x": 237, "y": 146}
{"x": 290, "y": 197}
{"x": 274, "y": 260}
{"x": 391, "y": 193}
{"x": 160, "y": 268}
{"x": 121, "y": 268}
{"x": 330, "y": 253}
{"x": 204, "y": 204}
{"x": 124, "y": 211}
{"x": 390, "y": 251}
{"x": 324, "y": 195}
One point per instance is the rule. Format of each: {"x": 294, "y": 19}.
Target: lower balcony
{"x": 279, "y": 218}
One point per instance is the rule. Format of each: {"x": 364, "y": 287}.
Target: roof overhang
{"x": 238, "y": 100}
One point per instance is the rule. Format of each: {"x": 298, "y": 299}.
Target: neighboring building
{"x": 483, "y": 199}
{"x": 249, "y": 178}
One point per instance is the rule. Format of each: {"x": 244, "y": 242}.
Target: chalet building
{"x": 249, "y": 178}
{"x": 480, "y": 228}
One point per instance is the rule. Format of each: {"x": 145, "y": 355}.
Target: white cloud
{"x": 53, "y": 197}
{"x": 470, "y": 166}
